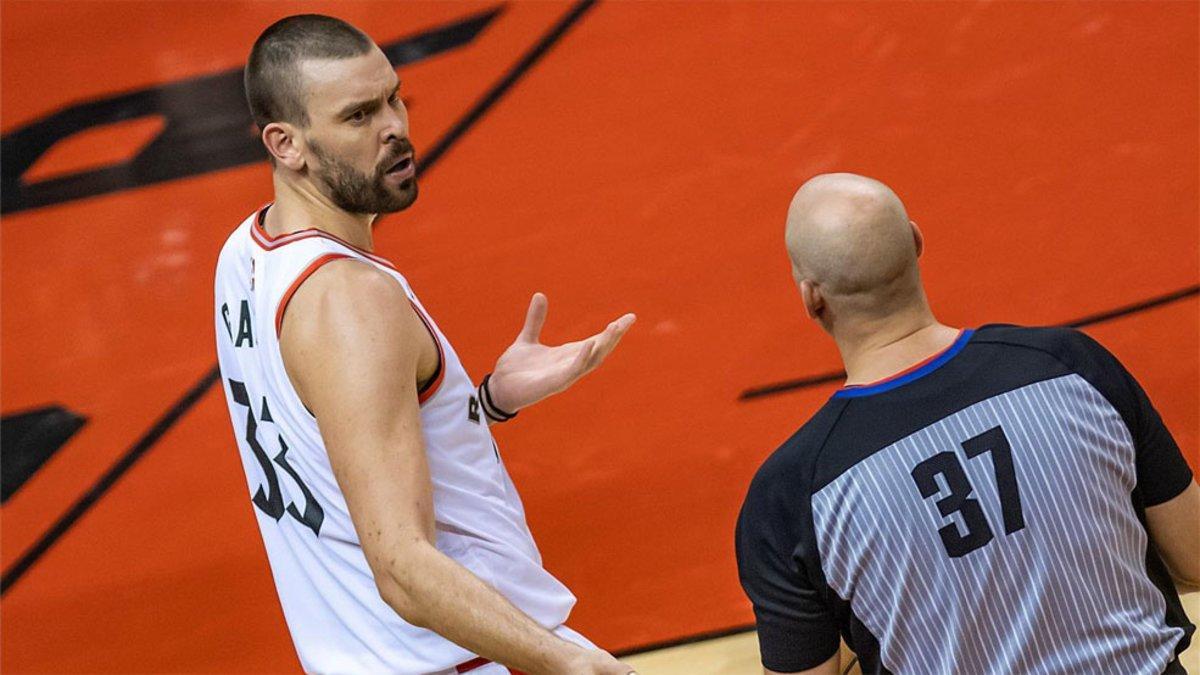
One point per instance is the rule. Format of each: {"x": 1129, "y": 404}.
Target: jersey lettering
{"x": 225, "y": 318}
{"x": 473, "y": 409}
{"x": 245, "y": 333}
{"x": 270, "y": 500}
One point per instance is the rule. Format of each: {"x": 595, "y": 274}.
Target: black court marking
{"x": 1082, "y": 322}
{"x": 207, "y": 127}
{"x": 193, "y": 395}
{"x": 89, "y": 498}
{"x": 1101, "y": 317}
{"x": 506, "y": 82}
{"x": 30, "y": 438}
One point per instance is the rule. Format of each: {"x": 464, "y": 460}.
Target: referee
{"x": 998, "y": 500}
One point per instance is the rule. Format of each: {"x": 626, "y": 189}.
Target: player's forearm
{"x": 430, "y": 590}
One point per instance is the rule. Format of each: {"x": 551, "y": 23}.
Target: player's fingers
{"x": 612, "y": 335}
{"x": 579, "y": 365}
{"x": 620, "y": 324}
{"x": 535, "y": 318}
{"x": 613, "y": 332}
{"x": 602, "y": 340}
{"x": 609, "y": 339}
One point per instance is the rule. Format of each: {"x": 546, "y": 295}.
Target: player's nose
{"x": 396, "y": 127}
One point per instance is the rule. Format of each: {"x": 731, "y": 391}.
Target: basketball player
{"x": 397, "y": 542}
{"x": 999, "y": 500}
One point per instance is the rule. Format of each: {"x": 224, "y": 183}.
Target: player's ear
{"x": 810, "y": 293}
{"x": 280, "y": 139}
{"x": 918, "y": 238}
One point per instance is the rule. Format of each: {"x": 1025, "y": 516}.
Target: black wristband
{"x": 489, "y": 407}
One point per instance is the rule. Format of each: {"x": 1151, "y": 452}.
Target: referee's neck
{"x": 879, "y": 351}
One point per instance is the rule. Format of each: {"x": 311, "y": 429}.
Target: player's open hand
{"x": 529, "y": 371}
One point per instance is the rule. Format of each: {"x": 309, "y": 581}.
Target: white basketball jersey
{"x": 336, "y": 617}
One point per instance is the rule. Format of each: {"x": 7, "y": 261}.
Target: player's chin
{"x": 401, "y": 196}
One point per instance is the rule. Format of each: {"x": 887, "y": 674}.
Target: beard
{"x": 357, "y": 192}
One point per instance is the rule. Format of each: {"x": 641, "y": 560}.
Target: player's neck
{"x": 299, "y": 206}
{"x": 877, "y": 352}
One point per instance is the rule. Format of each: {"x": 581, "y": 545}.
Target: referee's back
{"x": 982, "y": 510}
{"x": 983, "y": 513}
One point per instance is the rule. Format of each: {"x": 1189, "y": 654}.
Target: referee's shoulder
{"x": 1065, "y": 343}
{"x": 794, "y": 459}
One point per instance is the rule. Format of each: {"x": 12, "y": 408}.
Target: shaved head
{"x": 849, "y": 237}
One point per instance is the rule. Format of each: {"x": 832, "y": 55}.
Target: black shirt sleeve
{"x": 796, "y": 630}
{"x": 1162, "y": 472}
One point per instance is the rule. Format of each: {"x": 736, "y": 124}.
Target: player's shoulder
{"x": 346, "y": 287}
{"x": 347, "y": 311}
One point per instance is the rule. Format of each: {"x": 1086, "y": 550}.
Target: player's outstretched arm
{"x": 351, "y": 343}
{"x": 529, "y": 371}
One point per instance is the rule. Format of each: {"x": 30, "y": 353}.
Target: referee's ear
{"x": 814, "y": 304}
{"x": 918, "y": 238}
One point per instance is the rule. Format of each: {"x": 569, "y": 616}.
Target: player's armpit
{"x": 830, "y": 667}
{"x": 1175, "y": 528}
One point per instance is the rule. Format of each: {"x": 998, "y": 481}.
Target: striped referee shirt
{"x": 982, "y": 513}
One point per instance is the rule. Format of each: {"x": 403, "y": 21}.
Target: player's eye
{"x": 358, "y": 116}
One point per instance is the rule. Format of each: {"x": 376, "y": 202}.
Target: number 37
{"x": 947, "y": 465}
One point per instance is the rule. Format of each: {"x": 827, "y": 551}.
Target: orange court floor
{"x": 617, "y": 156}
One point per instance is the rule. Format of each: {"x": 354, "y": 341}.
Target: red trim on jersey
{"x": 258, "y": 232}
{"x": 431, "y": 387}
{"x": 915, "y": 366}
{"x": 424, "y": 393}
{"x": 471, "y": 665}
{"x": 287, "y": 296}
{"x": 479, "y": 663}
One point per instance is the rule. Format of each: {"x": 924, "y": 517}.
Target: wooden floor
{"x": 738, "y": 654}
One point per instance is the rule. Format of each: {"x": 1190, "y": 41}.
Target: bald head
{"x": 850, "y": 237}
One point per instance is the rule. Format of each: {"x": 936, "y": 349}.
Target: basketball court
{"x": 617, "y": 156}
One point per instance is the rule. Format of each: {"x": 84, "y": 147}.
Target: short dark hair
{"x": 272, "y": 76}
